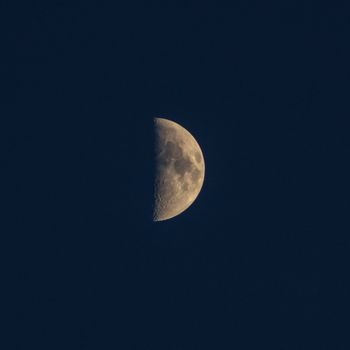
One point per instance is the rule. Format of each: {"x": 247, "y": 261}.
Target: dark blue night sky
{"x": 260, "y": 260}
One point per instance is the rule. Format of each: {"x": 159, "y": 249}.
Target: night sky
{"x": 261, "y": 259}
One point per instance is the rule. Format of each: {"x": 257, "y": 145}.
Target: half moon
{"x": 179, "y": 169}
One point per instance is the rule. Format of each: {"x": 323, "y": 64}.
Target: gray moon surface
{"x": 179, "y": 169}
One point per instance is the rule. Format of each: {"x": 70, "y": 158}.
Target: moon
{"x": 179, "y": 169}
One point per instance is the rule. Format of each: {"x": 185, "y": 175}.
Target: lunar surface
{"x": 179, "y": 169}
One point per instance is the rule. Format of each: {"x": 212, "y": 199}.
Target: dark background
{"x": 260, "y": 260}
